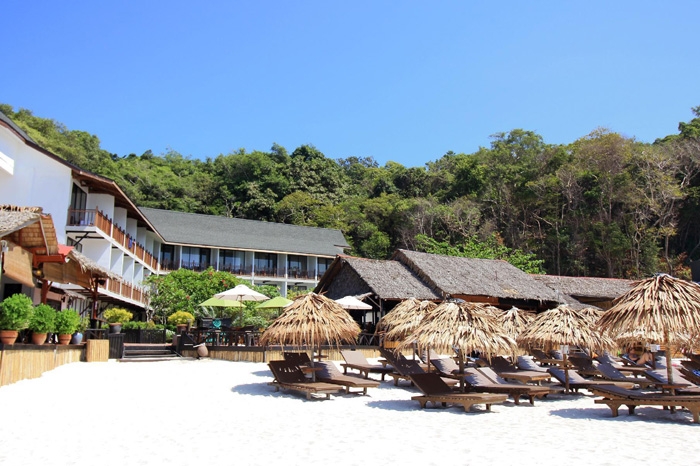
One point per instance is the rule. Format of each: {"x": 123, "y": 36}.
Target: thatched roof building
{"x": 489, "y": 281}
{"x": 595, "y": 291}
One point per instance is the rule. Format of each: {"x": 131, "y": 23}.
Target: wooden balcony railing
{"x": 96, "y": 218}
{"x": 127, "y": 290}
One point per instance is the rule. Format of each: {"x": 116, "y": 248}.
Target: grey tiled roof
{"x": 235, "y": 233}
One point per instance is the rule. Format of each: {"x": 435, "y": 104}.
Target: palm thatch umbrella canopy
{"x": 564, "y": 325}
{"x": 463, "y": 327}
{"x": 312, "y": 320}
{"x": 515, "y": 321}
{"x": 404, "y": 318}
{"x": 661, "y": 305}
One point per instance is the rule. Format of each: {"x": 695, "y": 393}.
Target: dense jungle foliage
{"x": 604, "y": 205}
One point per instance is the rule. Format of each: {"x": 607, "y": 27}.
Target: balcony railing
{"x": 96, "y": 218}
{"x": 127, "y": 290}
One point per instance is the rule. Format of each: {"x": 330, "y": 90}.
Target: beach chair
{"x": 289, "y": 376}
{"x": 584, "y": 366}
{"x": 300, "y": 359}
{"x": 328, "y": 372}
{"x": 356, "y": 360}
{"x": 542, "y": 358}
{"x": 609, "y": 372}
{"x": 508, "y": 371}
{"x": 617, "y": 364}
{"x": 527, "y": 363}
{"x": 404, "y": 368}
{"x": 615, "y": 397}
{"x": 478, "y": 381}
{"x": 577, "y": 381}
{"x": 659, "y": 377}
{"x": 435, "y": 390}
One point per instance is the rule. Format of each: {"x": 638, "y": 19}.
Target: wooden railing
{"x": 96, "y": 218}
{"x": 127, "y": 290}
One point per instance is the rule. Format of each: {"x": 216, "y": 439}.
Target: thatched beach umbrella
{"x": 404, "y": 318}
{"x": 312, "y": 320}
{"x": 663, "y": 306}
{"x": 515, "y": 321}
{"x": 463, "y": 327}
{"x": 563, "y": 326}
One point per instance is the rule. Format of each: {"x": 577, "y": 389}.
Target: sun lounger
{"x": 329, "y": 372}
{"x": 527, "y": 363}
{"x": 478, "y": 381}
{"x": 543, "y": 358}
{"x": 509, "y": 371}
{"x": 584, "y": 366}
{"x": 289, "y": 376}
{"x": 609, "y": 372}
{"x": 300, "y": 359}
{"x": 435, "y": 390}
{"x": 357, "y": 361}
{"x": 660, "y": 379}
{"x": 577, "y": 381}
{"x": 615, "y": 397}
{"x": 404, "y": 368}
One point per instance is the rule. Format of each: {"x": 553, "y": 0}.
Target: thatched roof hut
{"x": 594, "y": 291}
{"x": 489, "y": 281}
{"x": 515, "y": 321}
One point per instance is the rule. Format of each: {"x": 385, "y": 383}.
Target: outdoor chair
{"x": 289, "y": 376}
{"x": 609, "y": 372}
{"x": 356, "y": 360}
{"x": 477, "y": 381}
{"x": 508, "y": 371}
{"x": 404, "y": 368}
{"x": 300, "y": 359}
{"x": 329, "y": 372}
{"x": 577, "y": 381}
{"x": 660, "y": 378}
{"x": 526, "y": 363}
{"x": 435, "y": 391}
{"x": 615, "y": 397}
{"x": 584, "y": 366}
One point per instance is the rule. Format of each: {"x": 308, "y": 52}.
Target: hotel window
{"x": 296, "y": 266}
{"x": 194, "y": 258}
{"x": 232, "y": 261}
{"x": 265, "y": 264}
{"x": 167, "y": 256}
{"x": 323, "y": 265}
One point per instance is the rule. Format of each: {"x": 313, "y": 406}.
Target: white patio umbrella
{"x": 351, "y": 302}
{"x": 241, "y": 293}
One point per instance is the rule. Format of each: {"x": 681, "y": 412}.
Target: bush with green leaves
{"x": 117, "y": 315}
{"x": 67, "y": 321}
{"x": 15, "y": 312}
{"x": 180, "y": 318}
{"x": 43, "y": 319}
{"x": 139, "y": 326}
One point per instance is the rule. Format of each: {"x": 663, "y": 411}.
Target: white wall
{"x": 38, "y": 181}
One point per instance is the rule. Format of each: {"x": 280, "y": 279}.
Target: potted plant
{"x": 116, "y": 316}
{"x": 41, "y": 323}
{"x": 78, "y": 335}
{"x": 181, "y": 319}
{"x": 67, "y": 322}
{"x": 15, "y": 312}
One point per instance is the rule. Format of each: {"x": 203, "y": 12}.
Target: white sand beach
{"x": 202, "y": 412}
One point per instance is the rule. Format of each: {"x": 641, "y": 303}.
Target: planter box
{"x": 143, "y": 336}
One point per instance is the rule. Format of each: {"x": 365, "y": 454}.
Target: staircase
{"x": 148, "y": 352}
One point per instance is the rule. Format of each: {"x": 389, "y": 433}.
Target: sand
{"x": 206, "y": 412}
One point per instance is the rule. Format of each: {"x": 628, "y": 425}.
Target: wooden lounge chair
{"x": 478, "y": 381}
{"x": 357, "y": 361}
{"x": 577, "y": 381}
{"x": 543, "y": 358}
{"x": 508, "y": 371}
{"x": 660, "y": 379}
{"x": 584, "y": 366}
{"x": 300, "y": 359}
{"x": 289, "y": 376}
{"x": 615, "y": 397}
{"x": 435, "y": 390}
{"x": 329, "y": 372}
{"x": 404, "y": 368}
{"x": 527, "y": 363}
{"x": 609, "y": 372}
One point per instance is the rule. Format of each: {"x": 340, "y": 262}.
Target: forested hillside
{"x": 603, "y": 205}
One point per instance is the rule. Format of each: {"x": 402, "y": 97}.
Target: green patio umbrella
{"x": 216, "y": 302}
{"x": 278, "y": 302}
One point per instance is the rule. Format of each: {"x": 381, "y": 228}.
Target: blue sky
{"x": 402, "y": 81}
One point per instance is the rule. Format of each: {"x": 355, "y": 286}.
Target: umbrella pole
{"x": 566, "y": 372}
{"x": 460, "y": 354}
{"x": 669, "y": 367}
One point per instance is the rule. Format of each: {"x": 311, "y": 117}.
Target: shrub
{"x": 117, "y": 315}
{"x": 139, "y": 325}
{"x": 15, "y": 312}
{"x": 43, "y": 319}
{"x": 67, "y": 321}
{"x": 180, "y": 318}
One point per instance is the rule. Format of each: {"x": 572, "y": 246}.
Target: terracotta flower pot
{"x": 64, "y": 338}
{"x": 38, "y": 338}
{"x": 8, "y": 337}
